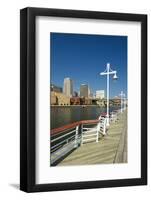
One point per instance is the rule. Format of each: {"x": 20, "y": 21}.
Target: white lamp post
{"x": 124, "y": 102}
{"x": 108, "y": 72}
{"x": 122, "y": 95}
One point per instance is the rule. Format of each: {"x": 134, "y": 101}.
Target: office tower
{"x": 68, "y": 87}
{"x": 84, "y": 90}
{"x": 75, "y": 94}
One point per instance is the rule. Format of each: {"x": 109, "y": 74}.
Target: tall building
{"x": 90, "y": 94}
{"x": 75, "y": 94}
{"x": 100, "y": 94}
{"x": 84, "y": 90}
{"x": 68, "y": 87}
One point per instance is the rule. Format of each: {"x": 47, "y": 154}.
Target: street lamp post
{"x": 108, "y": 72}
{"x": 122, "y": 102}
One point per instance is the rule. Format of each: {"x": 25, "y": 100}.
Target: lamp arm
{"x": 105, "y": 73}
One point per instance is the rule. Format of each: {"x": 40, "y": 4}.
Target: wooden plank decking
{"x": 111, "y": 148}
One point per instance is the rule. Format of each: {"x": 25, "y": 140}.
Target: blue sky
{"x": 82, "y": 57}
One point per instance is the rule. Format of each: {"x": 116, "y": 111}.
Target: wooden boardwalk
{"x": 111, "y": 148}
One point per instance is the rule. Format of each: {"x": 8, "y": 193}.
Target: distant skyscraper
{"x": 90, "y": 94}
{"x": 100, "y": 94}
{"x": 68, "y": 87}
{"x": 75, "y": 94}
{"x": 84, "y": 90}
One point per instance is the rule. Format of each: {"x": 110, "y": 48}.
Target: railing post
{"x": 81, "y": 134}
{"x": 104, "y": 127}
{"x": 76, "y": 137}
{"x": 97, "y": 132}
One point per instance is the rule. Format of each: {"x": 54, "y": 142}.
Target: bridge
{"x": 90, "y": 142}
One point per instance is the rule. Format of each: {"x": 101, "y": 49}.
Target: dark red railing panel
{"x": 72, "y": 125}
{"x": 63, "y": 128}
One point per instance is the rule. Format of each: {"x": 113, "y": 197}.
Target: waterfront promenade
{"x": 111, "y": 148}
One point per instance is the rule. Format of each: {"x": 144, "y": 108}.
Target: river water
{"x": 63, "y": 115}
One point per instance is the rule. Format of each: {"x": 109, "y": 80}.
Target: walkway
{"x": 111, "y": 148}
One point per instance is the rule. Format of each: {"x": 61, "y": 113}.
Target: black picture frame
{"x": 28, "y": 99}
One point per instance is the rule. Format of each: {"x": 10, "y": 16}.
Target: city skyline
{"x": 82, "y": 57}
{"x": 97, "y": 94}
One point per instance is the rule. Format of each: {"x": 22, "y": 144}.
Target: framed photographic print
{"x": 83, "y": 99}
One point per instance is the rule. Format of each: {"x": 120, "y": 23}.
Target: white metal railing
{"x": 70, "y": 137}
{"x": 64, "y": 143}
{"x": 93, "y": 133}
